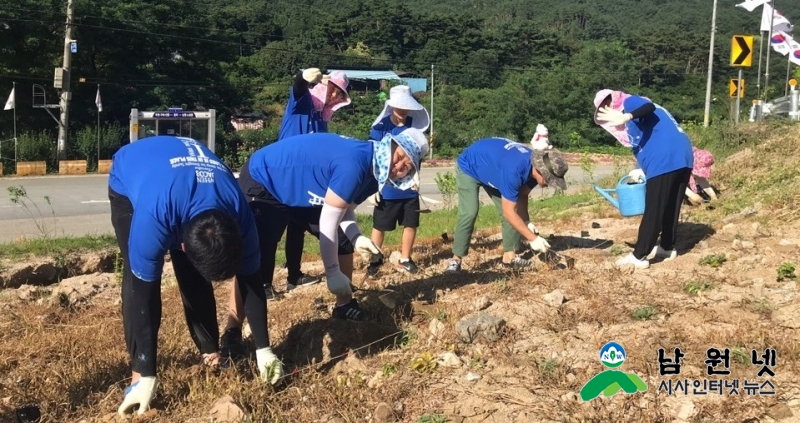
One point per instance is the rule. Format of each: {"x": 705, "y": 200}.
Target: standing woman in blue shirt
{"x": 664, "y": 153}
{"x": 172, "y": 194}
{"x": 308, "y": 111}
{"x": 395, "y": 206}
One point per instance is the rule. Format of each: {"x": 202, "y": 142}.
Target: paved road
{"x": 80, "y": 203}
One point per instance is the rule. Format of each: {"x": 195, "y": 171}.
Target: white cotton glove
{"x": 312, "y": 75}
{"x": 365, "y": 247}
{"x": 374, "y": 199}
{"x": 141, "y": 393}
{"x": 532, "y": 227}
{"x": 540, "y": 245}
{"x": 636, "y": 175}
{"x": 270, "y": 367}
{"x": 416, "y": 182}
{"x": 613, "y": 117}
{"x": 338, "y": 283}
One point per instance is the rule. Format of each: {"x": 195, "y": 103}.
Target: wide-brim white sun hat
{"x": 400, "y": 97}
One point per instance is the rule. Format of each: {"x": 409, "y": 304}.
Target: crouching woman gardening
{"x": 507, "y": 170}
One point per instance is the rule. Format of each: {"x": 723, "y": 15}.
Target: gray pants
{"x": 468, "y": 207}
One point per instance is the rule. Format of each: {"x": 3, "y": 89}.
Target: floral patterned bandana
{"x": 382, "y": 160}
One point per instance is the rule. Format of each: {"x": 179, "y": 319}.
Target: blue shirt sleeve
{"x": 299, "y": 106}
{"x": 377, "y": 133}
{"x": 346, "y": 180}
{"x": 147, "y": 244}
{"x": 633, "y": 102}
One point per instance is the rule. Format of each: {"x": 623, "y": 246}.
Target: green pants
{"x": 468, "y": 206}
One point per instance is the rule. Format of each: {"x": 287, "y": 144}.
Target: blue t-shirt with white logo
{"x": 300, "y": 117}
{"x": 386, "y": 126}
{"x": 499, "y": 163}
{"x": 169, "y": 180}
{"x": 298, "y": 170}
{"x": 659, "y": 143}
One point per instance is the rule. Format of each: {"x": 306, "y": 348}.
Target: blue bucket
{"x": 630, "y": 197}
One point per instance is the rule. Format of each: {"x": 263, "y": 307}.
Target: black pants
{"x": 661, "y": 211}
{"x": 390, "y": 213}
{"x": 141, "y": 301}
{"x": 273, "y": 218}
{"x": 295, "y": 238}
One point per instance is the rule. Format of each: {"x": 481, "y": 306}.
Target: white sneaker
{"x": 631, "y": 260}
{"x": 660, "y": 252}
{"x": 453, "y": 267}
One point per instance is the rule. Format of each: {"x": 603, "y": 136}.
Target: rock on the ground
{"x": 787, "y": 316}
{"x": 80, "y": 289}
{"x": 384, "y": 413}
{"x": 27, "y": 292}
{"x": 436, "y": 328}
{"x": 729, "y": 228}
{"x": 480, "y": 326}
{"x": 448, "y": 359}
{"x": 780, "y": 411}
{"x": 482, "y": 303}
{"x": 569, "y": 396}
{"x": 472, "y": 377}
{"x": 225, "y": 409}
{"x": 394, "y": 257}
{"x": 686, "y": 410}
{"x": 376, "y": 380}
{"x": 555, "y": 298}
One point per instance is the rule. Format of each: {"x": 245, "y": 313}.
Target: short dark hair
{"x": 213, "y": 244}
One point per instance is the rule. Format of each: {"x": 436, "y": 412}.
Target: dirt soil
{"x": 62, "y": 348}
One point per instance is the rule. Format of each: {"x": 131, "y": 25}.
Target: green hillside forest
{"x": 500, "y": 67}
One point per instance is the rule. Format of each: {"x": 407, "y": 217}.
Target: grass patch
{"x": 43, "y": 247}
{"x": 644, "y": 313}
{"x": 432, "y": 418}
{"x": 696, "y": 287}
{"x": 713, "y": 260}
{"x": 786, "y": 271}
{"x": 618, "y": 250}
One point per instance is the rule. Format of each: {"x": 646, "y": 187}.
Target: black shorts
{"x": 272, "y": 216}
{"x": 390, "y": 213}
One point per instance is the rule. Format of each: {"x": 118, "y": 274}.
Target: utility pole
{"x": 430, "y": 156}
{"x": 710, "y": 65}
{"x": 766, "y": 73}
{"x": 65, "y": 92}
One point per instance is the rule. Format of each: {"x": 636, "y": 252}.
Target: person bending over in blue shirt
{"x": 317, "y": 180}
{"x": 173, "y": 194}
{"x": 664, "y": 153}
{"x": 308, "y": 110}
{"x": 507, "y": 170}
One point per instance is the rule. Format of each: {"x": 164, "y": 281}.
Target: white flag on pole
{"x": 779, "y": 22}
{"x": 794, "y": 56}
{"x": 10, "y": 103}
{"x": 97, "y": 100}
{"x": 781, "y": 42}
{"x": 751, "y": 5}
